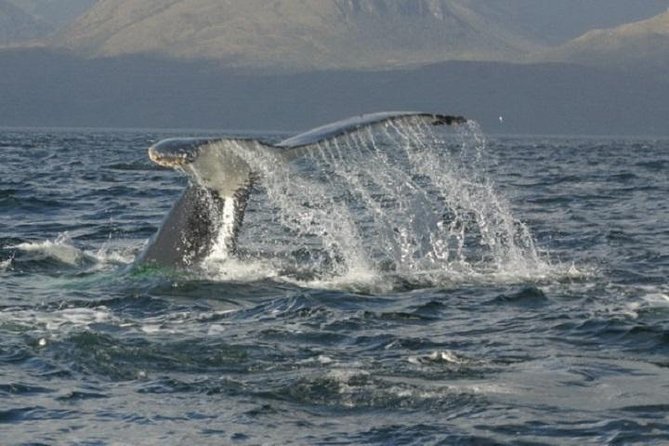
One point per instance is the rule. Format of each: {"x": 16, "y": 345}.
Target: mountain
{"x": 290, "y": 64}
{"x": 295, "y": 34}
{"x": 554, "y": 22}
{"x": 17, "y": 25}
{"x": 57, "y": 13}
{"x": 298, "y": 35}
{"x": 639, "y": 45}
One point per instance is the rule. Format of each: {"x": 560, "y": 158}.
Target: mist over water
{"x": 412, "y": 285}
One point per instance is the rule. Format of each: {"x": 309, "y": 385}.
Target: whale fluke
{"x": 210, "y": 212}
{"x": 330, "y": 131}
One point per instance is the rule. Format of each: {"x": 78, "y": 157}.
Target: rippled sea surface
{"x": 95, "y": 352}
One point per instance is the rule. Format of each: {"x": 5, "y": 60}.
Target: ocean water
{"x": 423, "y": 289}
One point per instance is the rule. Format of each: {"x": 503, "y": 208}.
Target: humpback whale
{"x": 209, "y": 213}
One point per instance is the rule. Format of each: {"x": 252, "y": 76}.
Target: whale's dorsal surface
{"x": 209, "y": 214}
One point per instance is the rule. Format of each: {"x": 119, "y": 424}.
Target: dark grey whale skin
{"x": 186, "y": 235}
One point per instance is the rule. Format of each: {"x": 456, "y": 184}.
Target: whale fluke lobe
{"x": 208, "y": 216}
{"x": 350, "y": 125}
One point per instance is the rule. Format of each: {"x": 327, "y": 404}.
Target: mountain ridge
{"x": 293, "y": 34}
{"x": 57, "y": 13}
{"x": 17, "y": 26}
{"x": 638, "y": 45}
{"x": 355, "y": 56}
{"x": 299, "y": 35}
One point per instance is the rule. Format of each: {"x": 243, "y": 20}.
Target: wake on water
{"x": 399, "y": 204}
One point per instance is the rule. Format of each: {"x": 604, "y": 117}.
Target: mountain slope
{"x": 16, "y": 25}
{"x": 295, "y": 34}
{"x": 57, "y": 13}
{"x": 643, "y": 44}
{"x": 554, "y": 22}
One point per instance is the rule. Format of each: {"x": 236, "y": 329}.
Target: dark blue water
{"x": 93, "y": 351}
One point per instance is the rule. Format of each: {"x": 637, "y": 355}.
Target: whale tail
{"x": 208, "y": 216}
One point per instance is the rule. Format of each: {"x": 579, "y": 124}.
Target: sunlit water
{"x": 406, "y": 286}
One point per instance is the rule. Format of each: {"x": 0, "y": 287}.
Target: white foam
{"x": 232, "y": 269}
{"x": 183, "y": 324}
{"x": 48, "y": 325}
{"x": 5, "y": 264}
{"x": 115, "y": 254}
{"x": 63, "y": 250}
{"x": 356, "y": 280}
{"x": 453, "y": 276}
{"x": 655, "y": 295}
{"x": 57, "y": 321}
{"x": 641, "y": 298}
{"x": 60, "y": 249}
{"x": 435, "y": 357}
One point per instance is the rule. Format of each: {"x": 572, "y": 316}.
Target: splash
{"x": 401, "y": 199}
{"x": 62, "y": 252}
